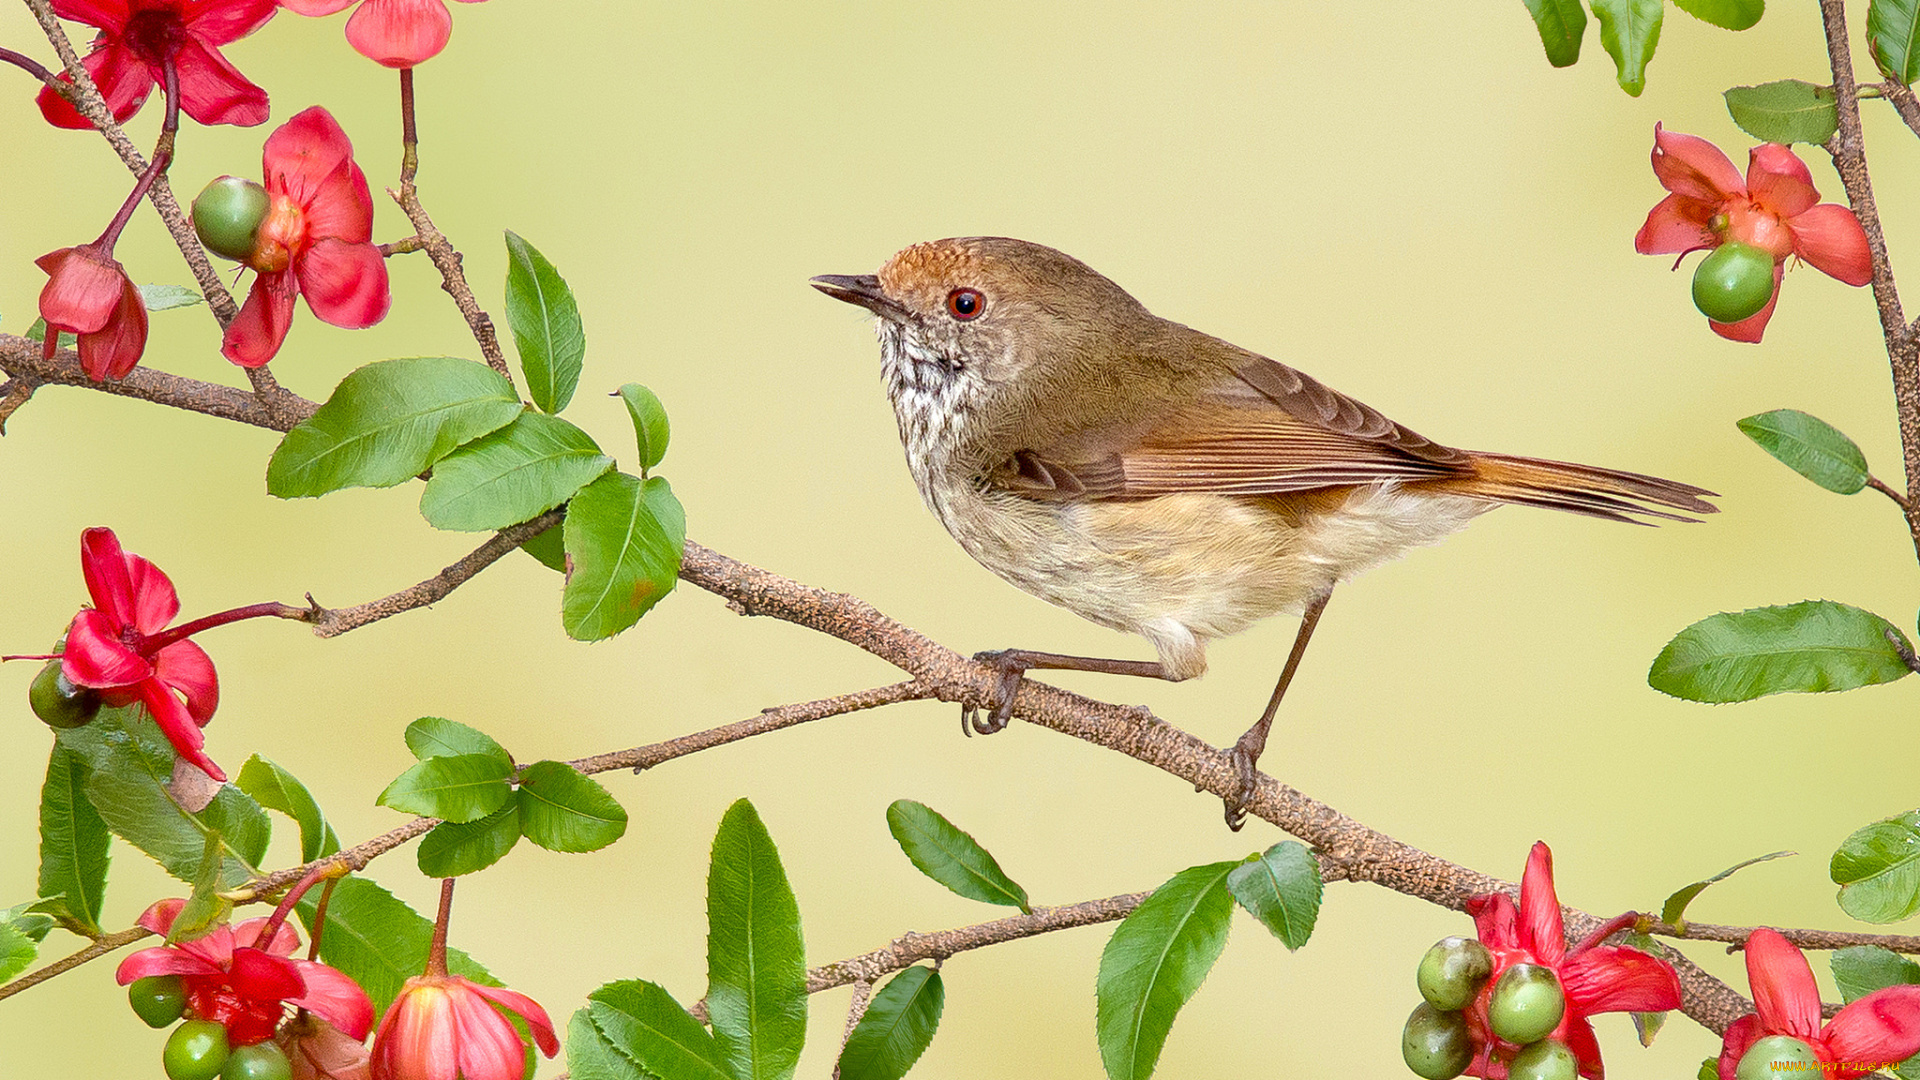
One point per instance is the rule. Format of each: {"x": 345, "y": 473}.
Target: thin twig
{"x": 334, "y": 622}
{"x": 1904, "y": 103}
{"x": 857, "y": 1008}
{"x": 100, "y": 946}
{"x": 1878, "y": 485}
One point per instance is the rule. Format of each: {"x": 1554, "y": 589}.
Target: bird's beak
{"x": 861, "y": 289}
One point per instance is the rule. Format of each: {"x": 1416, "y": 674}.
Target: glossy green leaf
{"x": 1154, "y": 962}
{"x": 897, "y": 1028}
{"x": 519, "y": 472}
{"x": 205, "y": 907}
{"x": 1814, "y": 646}
{"x": 1893, "y": 34}
{"x": 940, "y": 850}
{"x": 376, "y": 939}
{"x": 389, "y": 421}
{"x": 455, "y": 848}
{"x": 276, "y": 789}
{"x": 624, "y": 536}
{"x": 1562, "y": 25}
{"x": 756, "y": 965}
{"x": 1726, "y": 14}
{"x": 73, "y": 844}
{"x": 433, "y": 736}
{"x": 1861, "y": 969}
{"x": 1809, "y": 446}
{"x": 1787, "y": 111}
{"x": 645, "y": 1026}
{"x": 546, "y": 326}
{"x": 591, "y": 1057}
{"x": 464, "y": 787}
{"x": 563, "y": 810}
{"x": 1630, "y": 31}
{"x": 550, "y": 548}
{"x": 650, "y": 429}
{"x": 1282, "y": 889}
{"x": 1878, "y": 870}
{"x": 1674, "y": 912}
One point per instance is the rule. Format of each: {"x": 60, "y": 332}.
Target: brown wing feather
{"x": 1307, "y": 399}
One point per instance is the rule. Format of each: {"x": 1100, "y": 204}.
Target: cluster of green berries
{"x": 1525, "y": 1006}
{"x": 199, "y": 1049}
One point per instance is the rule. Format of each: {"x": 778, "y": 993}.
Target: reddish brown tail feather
{"x": 1578, "y": 489}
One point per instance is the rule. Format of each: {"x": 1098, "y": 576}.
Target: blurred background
{"x": 1404, "y": 200}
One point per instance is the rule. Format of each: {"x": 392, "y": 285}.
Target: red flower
{"x": 314, "y": 241}
{"x": 1596, "y": 978}
{"x": 106, "y": 647}
{"x": 1882, "y": 1028}
{"x": 234, "y": 978}
{"x": 88, "y": 294}
{"x": 397, "y": 33}
{"x": 139, "y": 38}
{"x": 1772, "y": 209}
{"x": 444, "y": 1026}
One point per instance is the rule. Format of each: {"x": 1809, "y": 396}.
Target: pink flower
{"x": 88, "y": 294}
{"x": 397, "y": 33}
{"x": 1773, "y": 209}
{"x": 443, "y": 1026}
{"x": 139, "y": 38}
{"x": 1596, "y": 978}
{"x": 1881, "y": 1028}
{"x": 234, "y": 978}
{"x": 315, "y": 241}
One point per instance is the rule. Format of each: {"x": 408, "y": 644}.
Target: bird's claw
{"x": 1000, "y": 711}
{"x": 1244, "y": 759}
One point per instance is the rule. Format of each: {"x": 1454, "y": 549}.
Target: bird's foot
{"x": 1244, "y": 756}
{"x": 1010, "y": 668}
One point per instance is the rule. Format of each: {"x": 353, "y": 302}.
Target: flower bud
{"x": 1452, "y": 972}
{"x": 1548, "y": 1059}
{"x": 1436, "y": 1044}
{"x": 1733, "y": 282}
{"x": 1527, "y": 1004}
{"x": 1771, "y": 1057}
{"x": 227, "y": 215}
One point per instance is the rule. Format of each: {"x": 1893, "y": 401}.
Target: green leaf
{"x": 1709, "y": 1070}
{"x": 644, "y": 1025}
{"x": 431, "y": 737}
{"x": 898, "y": 1026}
{"x": 276, "y": 789}
{"x": 464, "y": 787}
{"x": 1282, "y": 889}
{"x": 550, "y": 548}
{"x": 1646, "y": 1025}
{"x": 168, "y": 297}
{"x": 1859, "y": 970}
{"x": 1878, "y": 870}
{"x": 129, "y": 765}
{"x": 1674, "y": 912}
{"x": 38, "y": 332}
{"x": 650, "y": 428}
{"x": 378, "y": 940}
{"x": 519, "y": 472}
{"x": 73, "y": 844}
{"x": 1726, "y": 14}
{"x": 1809, "y": 446}
{"x": 1787, "y": 111}
{"x": 1155, "y": 960}
{"x": 1562, "y": 25}
{"x": 546, "y": 326}
{"x": 1629, "y": 31}
{"x": 591, "y": 1057}
{"x": 456, "y": 848}
{"x": 1893, "y": 33}
{"x": 1815, "y": 646}
{"x": 562, "y": 810}
{"x": 756, "y": 965}
{"x": 17, "y": 951}
{"x": 389, "y": 421}
{"x": 624, "y": 537}
{"x": 951, "y": 857}
{"x": 205, "y": 907}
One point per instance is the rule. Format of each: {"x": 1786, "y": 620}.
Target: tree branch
{"x": 99, "y": 947}
{"x": 20, "y": 358}
{"x": 334, "y": 622}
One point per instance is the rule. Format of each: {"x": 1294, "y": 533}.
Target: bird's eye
{"x": 964, "y": 304}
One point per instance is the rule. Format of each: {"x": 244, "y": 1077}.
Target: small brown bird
{"x": 1153, "y": 479}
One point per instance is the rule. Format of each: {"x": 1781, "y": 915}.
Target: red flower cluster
{"x": 396, "y": 33}
{"x": 140, "y": 39}
{"x": 1881, "y": 1028}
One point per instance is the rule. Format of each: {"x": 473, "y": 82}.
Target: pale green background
{"x": 1403, "y": 199}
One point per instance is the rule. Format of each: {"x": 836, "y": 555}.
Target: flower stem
{"x": 162, "y": 157}
{"x": 153, "y": 643}
{"x": 29, "y": 65}
{"x": 318, "y": 874}
{"x": 320, "y": 918}
{"x": 437, "y": 952}
{"x": 409, "y": 135}
{"x": 1604, "y": 931}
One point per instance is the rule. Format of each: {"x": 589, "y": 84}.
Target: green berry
{"x": 1436, "y": 1044}
{"x": 158, "y": 999}
{"x": 57, "y": 702}
{"x": 1548, "y": 1059}
{"x": 261, "y": 1061}
{"x": 1453, "y": 971}
{"x": 1733, "y": 282}
{"x": 195, "y": 1051}
{"x": 227, "y": 214}
{"x": 1776, "y": 1056}
{"x": 1527, "y": 1004}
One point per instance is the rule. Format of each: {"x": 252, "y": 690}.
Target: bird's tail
{"x": 1578, "y": 489}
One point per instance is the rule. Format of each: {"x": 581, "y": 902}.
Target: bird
{"x": 1157, "y": 480}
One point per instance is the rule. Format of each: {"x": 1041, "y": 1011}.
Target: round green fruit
{"x": 227, "y": 214}
{"x": 1436, "y": 1043}
{"x": 261, "y": 1061}
{"x": 1733, "y": 282}
{"x": 1453, "y": 971}
{"x": 1548, "y": 1059}
{"x": 57, "y": 702}
{"x": 1775, "y": 1056}
{"x": 158, "y": 999}
{"x": 1527, "y": 1004}
{"x": 195, "y": 1051}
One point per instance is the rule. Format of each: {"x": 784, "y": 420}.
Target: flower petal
{"x": 1750, "y": 328}
{"x": 1540, "y": 927}
{"x": 104, "y": 566}
{"x": 335, "y": 998}
{"x": 1586, "y": 1049}
{"x": 1613, "y": 978}
{"x": 213, "y": 91}
{"x": 113, "y": 350}
{"x": 418, "y": 1039}
{"x": 82, "y": 292}
{"x": 1883, "y": 1026}
{"x": 219, "y": 21}
{"x": 339, "y": 206}
{"x": 105, "y": 14}
{"x": 260, "y": 977}
{"x": 400, "y": 33}
{"x": 1778, "y": 181}
{"x": 162, "y": 960}
{"x": 257, "y": 334}
{"x": 1830, "y": 237}
{"x": 345, "y": 284}
{"x": 303, "y": 153}
{"x": 1692, "y": 167}
{"x": 178, "y": 726}
{"x": 1495, "y": 920}
{"x": 154, "y": 601}
{"x": 122, "y": 78}
{"x": 285, "y": 938}
{"x": 185, "y": 667}
{"x": 1676, "y": 225}
{"x": 1784, "y": 993}
{"x": 95, "y": 656}
{"x": 489, "y": 1047}
{"x": 1740, "y": 1037}
{"x": 529, "y": 1010}
{"x": 314, "y": 7}
{"x": 160, "y": 914}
